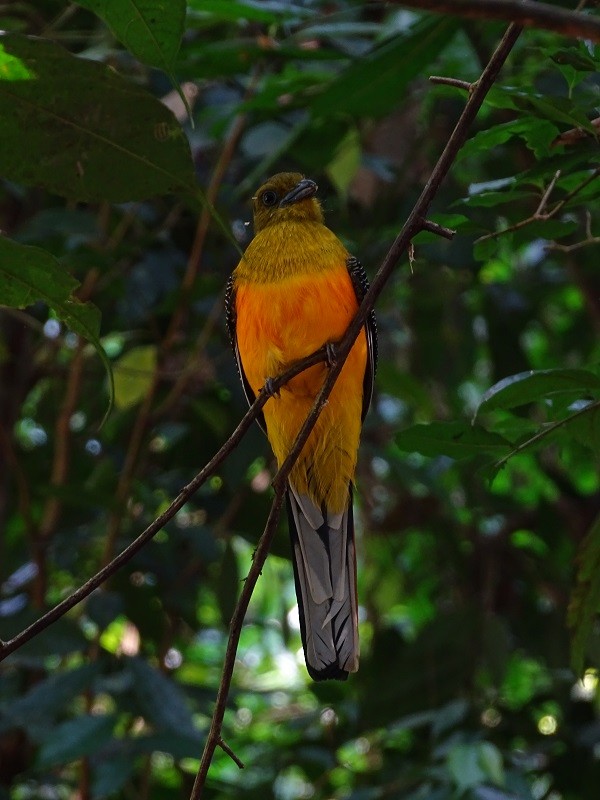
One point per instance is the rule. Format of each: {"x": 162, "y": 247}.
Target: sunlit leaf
{"x": 134, "y": 374}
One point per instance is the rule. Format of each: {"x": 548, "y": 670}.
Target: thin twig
{"x": 541, "y": 214}
{"x": 414, "y": 223}
{"x": 184, "y": 495}
{"x": 526, "y": 13}
{"x": 455, "y": 82}
{"x": 235, "y": 629}
{"x": 224, "y": 746}
{"x": 570, "y": 248}
{"x": 439, "y": 230}
{"x": 546, "y": 431}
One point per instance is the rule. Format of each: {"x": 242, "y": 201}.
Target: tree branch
{"x": 416, "y": 222}
{"x": 527, "y": 13}
{"x": 6, "y": 648}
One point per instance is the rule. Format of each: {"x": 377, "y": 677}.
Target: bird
{"x": 295, "y": 290}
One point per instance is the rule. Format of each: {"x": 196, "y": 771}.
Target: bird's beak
{"x": 306, "y": 188}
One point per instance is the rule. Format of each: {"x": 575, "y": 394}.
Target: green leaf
{"x": 366, "y": 86}
{"x": 530, "y": 387}
{"x": 585, "y": 600}
{"x": 162, "y": 701}
{"x": 490, "y": 761}
{"x": 29, "y": 274}
{"x": 37, "y": 708}
{"x": 150, "y": 29}
{"x": 344, "y": 166}
{"x": 454, "y": 439}
{"x": 575, "y": 57}
{"x": 557, "y": 109}
{"x": 464, "y": 766}
{"x": 182, "y": 745}
{"x": 111, "y": 774}
{"x": 76, "y": 128}
{"x": 76, "y": 738}
{"x": 585, "y": 427}
{"x": 491, "y": 199}
{"x": 134, "y": 374}
{"x": 538, "y": 134}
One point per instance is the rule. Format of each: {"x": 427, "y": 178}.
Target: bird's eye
{"x": 269, "y": 198}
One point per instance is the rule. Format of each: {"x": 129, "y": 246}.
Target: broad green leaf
{"x": 30, "y": 274}
{"x": 585, "y": 427}
{"x": 150, "y": 29}
{"x": 490, "y": 761}
{"x": 524, "y": 539}
{"x": 585, "y": 600}
{"x": 180, "y": 745}
{"x": 530, "y": 387}
{"x": 134, "y": 374}
{"x": 76, "y": 128}
{"x": 111, "y": 774}
{"x": 538, "y": 134}
{"x": 464, "y": 766}
{"x": 205, "y": 60}
{"x": 367, "y": 85}
{"x": 524, "y": 679}
{"x": 454, "y": 439}
{"x": 585, "y": 419}
{"x": 76, "y": 738}
{"x": 557, "y": 109}
{"x": 162, "y": 701}
{"x": 36, "y": 710}
{"x": 491, "y": 199}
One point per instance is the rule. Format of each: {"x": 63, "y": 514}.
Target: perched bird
{"x": 295, "y": 290}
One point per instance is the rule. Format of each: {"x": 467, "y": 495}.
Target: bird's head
{"x": 286, "y": 196}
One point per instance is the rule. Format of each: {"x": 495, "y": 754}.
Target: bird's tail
{"x": 324, "y": 561}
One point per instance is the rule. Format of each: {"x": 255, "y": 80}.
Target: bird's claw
{"x": 270, "y": 388}
{"x": 331, "y": 354}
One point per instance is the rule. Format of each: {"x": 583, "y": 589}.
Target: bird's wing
{"x": 360, "y": 283}
{"x": 231, "y": 321}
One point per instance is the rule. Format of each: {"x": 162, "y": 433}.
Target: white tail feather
{"x": 325, "y": 570}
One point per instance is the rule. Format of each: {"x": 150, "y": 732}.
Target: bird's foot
{"x": 331, "y": 354}
{"x": 270, "y": 388}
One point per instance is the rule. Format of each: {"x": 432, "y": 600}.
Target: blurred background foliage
{"x": 474, "y": 558}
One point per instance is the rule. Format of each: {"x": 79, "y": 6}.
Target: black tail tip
{"x": 330, "y": 672}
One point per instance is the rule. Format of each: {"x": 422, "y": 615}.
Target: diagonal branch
{"x": 6, "y": 648}
{"x": 416, "y": 222}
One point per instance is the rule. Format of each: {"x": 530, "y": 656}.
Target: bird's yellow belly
{"x": 279, "y": 323}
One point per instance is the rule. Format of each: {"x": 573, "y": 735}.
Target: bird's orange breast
{"x": 280, "y": 322}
